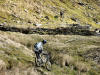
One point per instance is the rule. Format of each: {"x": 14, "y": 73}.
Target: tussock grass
{"x": 16, "y": 48}
{"x": 82, "y": 67}
{"x": 64, "y": 54}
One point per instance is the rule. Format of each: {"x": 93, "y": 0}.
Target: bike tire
{"x": 48, "y": 65}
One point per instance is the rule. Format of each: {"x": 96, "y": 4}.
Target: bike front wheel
{"x": 48, "y": 65}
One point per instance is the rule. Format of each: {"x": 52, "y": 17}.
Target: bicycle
{"x": 44, "y": 60}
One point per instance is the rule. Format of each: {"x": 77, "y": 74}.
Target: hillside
{"x": 30, "y": 12}
{"x": 74, "y": 51}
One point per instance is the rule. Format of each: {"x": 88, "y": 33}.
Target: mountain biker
{"x": 38, "y": 48}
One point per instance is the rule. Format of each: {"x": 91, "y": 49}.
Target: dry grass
{"x": 82, "y": 67}
{"x": 35, "y": 12}
{"x": 66, "y": 60}
{"x": 17, "y": 47}
{"x": 19, "y": 71}
{"x": 63, "y": 52}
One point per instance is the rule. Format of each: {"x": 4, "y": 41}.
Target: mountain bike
{"x": 44, "y": 60}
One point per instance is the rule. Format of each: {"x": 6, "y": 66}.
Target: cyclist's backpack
{"x": 35, "y": 46}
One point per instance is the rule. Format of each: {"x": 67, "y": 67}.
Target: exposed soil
{"x": 44, "y": 31}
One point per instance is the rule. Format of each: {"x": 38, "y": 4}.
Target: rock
{"x": 47, "y": 17}
{"x": 74, "y": 19}
{"x": 85, "y": 27}
{"x": 1, "y": 24}
{"x": 95, "y": 20}
{"x": 80, "y": 3}
{"x": 63, "y": 1}
{"x": 38, "y": 25}
{"x": 89, "y": 7}
{"x": 97, "y": 31}
{"x": 18, "y": 21}
{"x": 26, "y": 10}
{"x": 15, "y": 15}
{"x": 88, "y": 27}
{"x": 29, "y": 21}
{"x": 4, "y": 23}
{"x": 74, "y": 25}
{"x": 98, "y": 23}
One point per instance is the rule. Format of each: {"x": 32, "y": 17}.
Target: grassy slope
{"x": 59, "y": 48}
{"x": 16, "y": 48}
{"x": 19, "y": 12}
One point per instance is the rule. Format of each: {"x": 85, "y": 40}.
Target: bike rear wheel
{"x": 38, "y": 62}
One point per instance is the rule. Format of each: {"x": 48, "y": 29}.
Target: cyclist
{"x": 38, "y": 48}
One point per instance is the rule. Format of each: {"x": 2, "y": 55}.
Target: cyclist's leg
{"x": 37, "y": 55}
{"x": 38, "y": 59}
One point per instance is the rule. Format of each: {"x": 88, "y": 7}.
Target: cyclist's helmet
{"x": 44, "y": 41}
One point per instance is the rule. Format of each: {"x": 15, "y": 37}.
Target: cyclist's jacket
{"x": 38, "y": 47}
